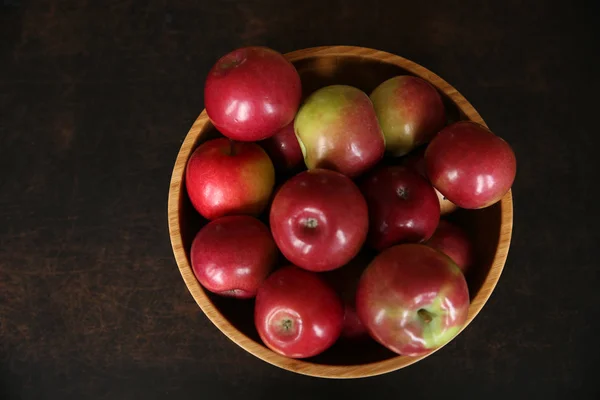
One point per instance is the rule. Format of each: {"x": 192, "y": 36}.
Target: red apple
{"x": 410, "y": 112}
{"x": 412, "y": 299}
{"x": 403, "y": 207}
{"x": 232, "y": 255}
{"x": 416, "y": 161}
{"x": 453, "y": 241}
{"x": 284, "y": 150}
{"x": 225, "y": 177}
{"x": 337, "y": 129}
{"x": 470, "y": 165}
{"x": 297, "y": 314}
{"x": 251, "y": 93}
{"x": 344, "y": 281}
{"x": 319, "y": 219}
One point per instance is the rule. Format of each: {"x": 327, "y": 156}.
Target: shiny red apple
{"x": 410, "y": 111}
{"x": 412, "y": 299}
{"x": 337, "y": 129}
{"x": 251, "y": 93}
{"x": 403, "y": 207}
{"x": 319, "y": 219}
{"x": 416, "y": 161}
{"x": 453, "y": 241}
{"x": 344, "y": 281}
{"x": 297, "y": 314}
{"x": 470, "y": 165}
{"x": 232, "y": 256}
{"x": 224, "y": 177}
{"x": 284, "y": 150}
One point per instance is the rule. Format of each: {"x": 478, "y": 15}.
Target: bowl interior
{"x": 484, "y": 226}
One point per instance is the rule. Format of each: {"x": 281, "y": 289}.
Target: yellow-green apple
{"x": 416, "y": 161}
{"x": 410, "y": 112}
{"x": 225, "y": 177}
{"x": 232, "y": 255}
{"x": 319, "y": 219}
{"x": 470, "y": 165}
{"x": 412, "y": 299}
{"x": 251, "y": 93}
{"x": 453, "y": 241}
{"x": 337, "y": 129}
{"x": 297, "y": 314}
{"x": 403, "y": 206}
{"x": 284, "y": 150}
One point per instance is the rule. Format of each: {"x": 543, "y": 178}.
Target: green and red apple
{"x": 225, "y": 178}
{"x": 412, "y": 299}
{"x": 337, "y": 129}
{"x": 410, "y": 112}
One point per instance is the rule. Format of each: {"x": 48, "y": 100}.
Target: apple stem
{"x": 402, "y": 193}
{"x": 425, "y": 315}
{"x": 311, "y": 223}
{"x": 287, "y": 324}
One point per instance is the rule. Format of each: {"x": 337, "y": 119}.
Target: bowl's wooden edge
{"x": 258, "y": 350}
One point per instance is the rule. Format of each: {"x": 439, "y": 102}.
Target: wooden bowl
{"x": 491, "y": 228}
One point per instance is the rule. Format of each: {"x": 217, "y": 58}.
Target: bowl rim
{"x": 298, "y": 365}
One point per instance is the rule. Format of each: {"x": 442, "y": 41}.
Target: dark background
{"x": 95, "y": 100}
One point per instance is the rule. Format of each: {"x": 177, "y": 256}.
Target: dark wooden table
{"x": 95, "y": 99}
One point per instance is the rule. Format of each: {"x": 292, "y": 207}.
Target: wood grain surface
{"x": 94, "y": 100}
{"x": 364, "y": 68}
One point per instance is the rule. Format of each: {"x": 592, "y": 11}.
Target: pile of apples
{"x": 327, "y": 211}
